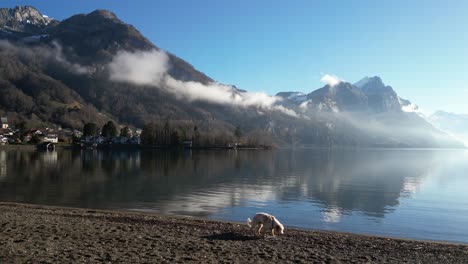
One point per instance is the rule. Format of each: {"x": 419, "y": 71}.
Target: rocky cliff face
{"x": 25, "y": 19}
{"x": 381, "y": 98}
{"x": 338, "y": 98}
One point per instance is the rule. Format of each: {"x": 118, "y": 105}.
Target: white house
{"x": 4, "y": 122}
{"x": 52, "y": 138}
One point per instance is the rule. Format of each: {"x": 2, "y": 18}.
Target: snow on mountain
{"x": 362, "y": 82}
{"x": 34, "y": 38}
{"x": 23, "y": 19}
{"x": 293, "y": 96}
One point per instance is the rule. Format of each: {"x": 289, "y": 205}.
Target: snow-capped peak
{"x": 376, "y": 80}
{"x": 362, "y": 82}
{"x": 295, "y": 94}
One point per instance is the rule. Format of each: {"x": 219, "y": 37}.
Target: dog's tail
{"x": 249, "y": 222}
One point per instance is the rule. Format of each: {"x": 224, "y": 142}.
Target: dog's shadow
{"x": 230, "y": 236}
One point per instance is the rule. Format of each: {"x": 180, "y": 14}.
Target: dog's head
{"x": 279, "y": 228}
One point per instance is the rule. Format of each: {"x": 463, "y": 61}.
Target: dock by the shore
{"x": 42, "y": 234}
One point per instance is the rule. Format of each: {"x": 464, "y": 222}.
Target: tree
{"x": 109, "y": 130}
{"x": 22, "y": 127}
{"x": 148, "y": 135}
{"x": 238, "y": 133}
{"x": 125, "y": 132}
{"x": 166, "y": 132}
{"x": 90, "y": 129}
{"x": 36, "y": 139}
{"x": 196, "y": 136}
{"x": 175, "y": 138}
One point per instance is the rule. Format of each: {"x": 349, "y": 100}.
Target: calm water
{"x": 403, "y": 193}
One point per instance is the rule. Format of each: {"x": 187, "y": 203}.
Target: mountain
{"x": 369, "y": 94}
{"x": 94, "y": 68}
{"x": 27, "y": 20}
{"x": 292, "y": 96}
{"x": 455, "y": 124}
{"x": 369, "y": 111}
{"x": 341, "y": 97}
{"x": 65, "y": 77}
{"x": 381, "y": 98}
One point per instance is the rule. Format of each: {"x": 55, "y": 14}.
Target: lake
{"x": 410, "y": 193}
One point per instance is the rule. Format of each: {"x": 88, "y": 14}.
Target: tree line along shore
{"x": 162, "y": 134}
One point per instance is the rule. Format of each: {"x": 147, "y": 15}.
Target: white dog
{"x": 261, "y": 220}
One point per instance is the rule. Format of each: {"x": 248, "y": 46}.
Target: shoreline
{"x": 120, "y": 147}
{"x": 37, "y": 233}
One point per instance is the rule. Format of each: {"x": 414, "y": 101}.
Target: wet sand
{"x": 33, "y": 234}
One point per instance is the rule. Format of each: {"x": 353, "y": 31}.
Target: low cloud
{"x": 410, "y": 108}
{"x": 285, "y": 110}
{"x": 142, "y": 68}
{"x": 151, "y": 67}
{"x": 56, "y": 53}
{"x": 304, "y": 105}
{"x": 330, "y": 79}
{"x": 46, "y": 53}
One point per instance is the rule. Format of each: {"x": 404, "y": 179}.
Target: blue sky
{"x": 420, "y": 48}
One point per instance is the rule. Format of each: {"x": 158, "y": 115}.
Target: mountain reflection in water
{"x": 367, "y": 190}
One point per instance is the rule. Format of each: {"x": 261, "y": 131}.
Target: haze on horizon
{"x": 419, "y": 48}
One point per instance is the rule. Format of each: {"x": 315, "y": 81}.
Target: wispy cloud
{"x": 45, "y": 53}
{"x": 151, "y": 67}
{"x": 330, "y": 79}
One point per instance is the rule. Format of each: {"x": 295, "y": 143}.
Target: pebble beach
{"x": 43, "y": 234}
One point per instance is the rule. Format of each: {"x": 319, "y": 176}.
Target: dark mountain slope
{"x": 31, "y": 95}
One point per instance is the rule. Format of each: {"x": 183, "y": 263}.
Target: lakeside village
{"x": 153, "y": 135}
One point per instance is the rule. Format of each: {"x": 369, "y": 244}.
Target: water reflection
{"x": 3, "y": 165}
{"x": 339, "y": 181}
{"x": 351, "y": 190}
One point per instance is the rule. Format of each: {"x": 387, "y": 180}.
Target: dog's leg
{"x": 260, "y": 226}
{"x": 273, "y": 232}
{"x": 254, "y": 229}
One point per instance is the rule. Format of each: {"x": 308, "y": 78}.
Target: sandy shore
{"x": 30, "y": 233}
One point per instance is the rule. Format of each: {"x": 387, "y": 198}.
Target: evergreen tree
{"x": 90, "y": 129}
{"x": 109, "y": 130}
{"x": 175, "y": 138}
{"x": 238, "y": 133}
{"x": 148, "y": 135}
{"x": 125, "y": 132}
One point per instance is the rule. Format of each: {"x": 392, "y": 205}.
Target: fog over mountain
{"x": 454, "y": 124}
{"x": 94, "y": 67}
